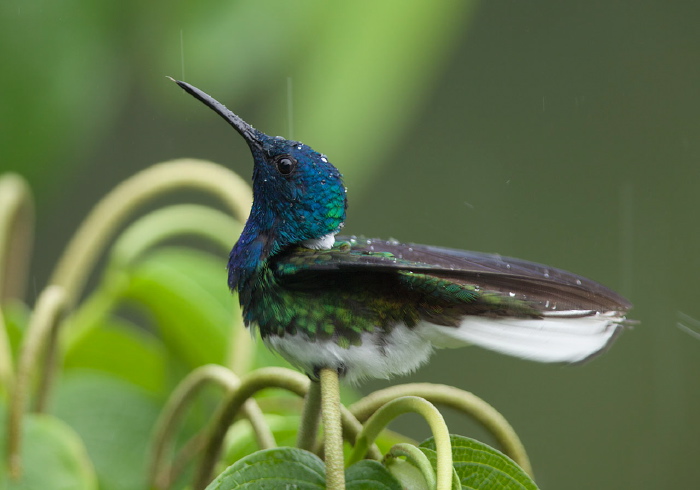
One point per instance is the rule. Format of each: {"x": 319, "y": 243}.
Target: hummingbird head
{"x": 298, "y": 195}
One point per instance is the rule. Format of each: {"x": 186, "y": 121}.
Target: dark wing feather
{"x": 549, "y": 288}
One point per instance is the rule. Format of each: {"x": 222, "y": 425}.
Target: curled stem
{"x": 332, "y": 429}
{"x": 16, "y": 230}
{"x": 141, "y": 236}
{"x": 109, "y": 214}
{"x": 417, "y": 458}
{"x": 351, "y": 430}
{"x": 160, "y": 476}
{"x": 6, "y": 369}
{"x": 458, "y": 399}
{"x": 49, "y": 308}
{"x": 168, "y": 222}
{"x": 251, "y": 383}
{"x": 16, "y": 226}
{"x": 381, "y": 418}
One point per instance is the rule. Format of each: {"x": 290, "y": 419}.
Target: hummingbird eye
{"x": 285, "y": 164}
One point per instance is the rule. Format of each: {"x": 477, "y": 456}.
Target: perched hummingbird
{"x": 375, "y": 308}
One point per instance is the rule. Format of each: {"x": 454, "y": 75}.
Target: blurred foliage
{"x": 72, "y": 67}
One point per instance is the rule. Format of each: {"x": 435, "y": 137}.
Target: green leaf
{"x": 115, "y": 419}
{"x": 185, "y": 291}
{"x": 480, "y": 466}
{"x": 368, "y": 474}
{"x": 53, "y": 456}
{"x": 409, "y": 475}
{"x": 288, "y": 467}
{"x": 123, "y": 350}
{"x": 274, "y": 468}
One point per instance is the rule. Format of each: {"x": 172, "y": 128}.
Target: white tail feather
{"x": 561, "y": 337}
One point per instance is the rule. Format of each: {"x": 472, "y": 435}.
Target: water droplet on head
{"x": 324, "y": 159}
{"x": 410, "y": 249}
{"x": 512, "y": 295}
{"x": 546, "y": 273}
{"x": 578, "y": 282}
{"x": 368, "y": 241}
{"x": 507, "y": 266}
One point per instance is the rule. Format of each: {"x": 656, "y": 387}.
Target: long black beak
{"x": 251, "y": 135}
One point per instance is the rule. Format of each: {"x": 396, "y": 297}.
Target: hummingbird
{"x": 371, "y": 308}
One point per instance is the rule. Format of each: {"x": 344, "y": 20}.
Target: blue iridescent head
{"x": 298, "y": 195}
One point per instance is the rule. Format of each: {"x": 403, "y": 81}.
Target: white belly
{"x": 380, "y": 356}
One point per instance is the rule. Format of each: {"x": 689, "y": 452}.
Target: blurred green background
{"x": 563, "y": 133}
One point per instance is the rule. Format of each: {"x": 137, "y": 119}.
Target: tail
{"x": 559, "y": 336}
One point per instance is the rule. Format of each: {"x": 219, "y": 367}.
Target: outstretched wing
{"x": 508, "y": 305}
{"x": 550, "y": 289}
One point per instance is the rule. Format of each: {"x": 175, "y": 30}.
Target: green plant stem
{"x": 308, "y": 427}
{"x": 16, "y": 231}
{"x": 185, "y": 455}
{"x": 110, "y": 213}
{"x": 195, "y": 445}
{"x": 332, "y": 429}
{"x": 455, "y": 398}
{"x": 165, "y": 223}
{"x": 351, "y": 429}
{"x": 381, "y": 418}
{"x": 263, "y": 434}
{"x": 49, "y": 369}
{"x": 16, "y": 226}
{"x": 417, "y": 458}
{"x": 46, "y": 317}
{"x": 160, "y": 476}
{"x": 6, "y": 369}
{"x": 251, "y": 383}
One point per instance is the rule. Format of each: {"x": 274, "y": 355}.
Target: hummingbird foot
{"x": 316, "y": 374}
